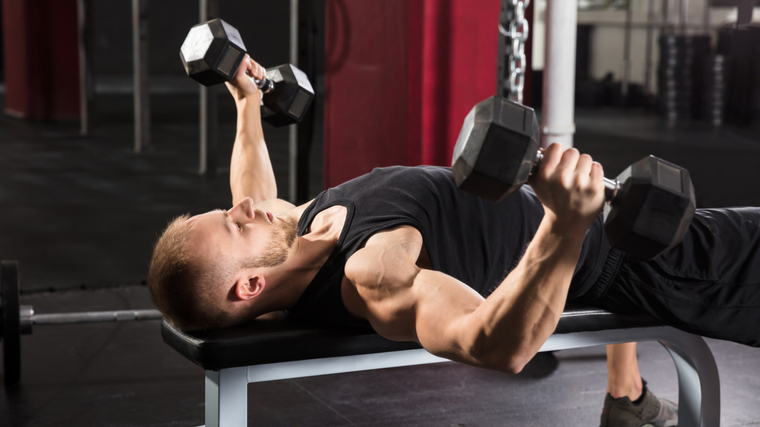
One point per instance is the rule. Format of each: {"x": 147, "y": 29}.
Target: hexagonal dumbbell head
{"x": 212, "y": 51}
{"x": 652, "y": 210}
{"x": 292, "y": 94}
{"x": 496, "y": 149}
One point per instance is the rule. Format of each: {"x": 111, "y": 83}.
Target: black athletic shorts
{"x": 708, "y": 285}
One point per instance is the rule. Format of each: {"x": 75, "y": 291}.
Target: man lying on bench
{"x": 481, "y": 283}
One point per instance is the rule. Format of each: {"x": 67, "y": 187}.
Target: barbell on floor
{"x": 18, "y": 320}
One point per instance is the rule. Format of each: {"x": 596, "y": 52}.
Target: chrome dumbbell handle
{"x": 266, "y": 85}
{"x": 611, "y": 186}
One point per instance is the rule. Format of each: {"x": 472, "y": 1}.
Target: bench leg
{"x": 227, "y": 398}
{"x": 698, "y": 382}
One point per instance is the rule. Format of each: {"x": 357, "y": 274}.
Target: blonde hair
{"x": 185, "y": 293}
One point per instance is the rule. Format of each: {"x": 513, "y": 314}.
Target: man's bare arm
{"x": 508, "y": 328}
{"x": 251, "y": 173}
{"x": 504, "y": 331}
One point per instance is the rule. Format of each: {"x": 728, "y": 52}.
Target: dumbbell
{"x": 211, "y": 54}
{"x": 649, "y": 205}
{"x": 18, "y": 320}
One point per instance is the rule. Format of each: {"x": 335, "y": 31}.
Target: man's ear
{"x": 248, "y": 287}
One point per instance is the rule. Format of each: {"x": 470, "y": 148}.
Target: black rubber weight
{"x": 10, "y": 332}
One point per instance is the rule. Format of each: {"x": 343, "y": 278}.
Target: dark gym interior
{"x": 80, "y": 213}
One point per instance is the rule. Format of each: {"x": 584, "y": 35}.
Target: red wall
{"x": 401, "y": 75}
{"x": 41, "y": 58}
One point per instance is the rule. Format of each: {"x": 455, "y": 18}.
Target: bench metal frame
{"x": 698, "y": 381}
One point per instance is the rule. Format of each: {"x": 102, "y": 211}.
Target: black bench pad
{"x": 277, "y": 337}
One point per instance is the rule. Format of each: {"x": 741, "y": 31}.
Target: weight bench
{"x": 276, "y": 347}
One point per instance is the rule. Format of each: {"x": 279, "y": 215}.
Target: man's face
{"x": 245, "y": 235}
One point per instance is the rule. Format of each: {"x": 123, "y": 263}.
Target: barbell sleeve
{"x": 29, "y": 318}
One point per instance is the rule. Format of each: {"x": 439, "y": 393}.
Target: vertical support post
{"x": 208, "y": 103}
{"x": 202, "y": 129}
{"x": 307, "y": 27}
{"x": 140, "y": 74}
{"x": 293, "y": 129}
{"x": 706, "y": 18}
{"x": 86, "y": 74}
{"x": 626, "y": 53}
{"x": 557, "y": 123}
{"x": 209, "y": 129}
{"x": 202, "y": 105}
{"x": 9, "y": 293}
{"x": 668, "y": 10}
{"x": 648, "y": 54}
{"x": 227, "y": 398}
{"x": 684, "y": 19}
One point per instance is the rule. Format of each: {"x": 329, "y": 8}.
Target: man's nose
{"x": 244, "y": 209}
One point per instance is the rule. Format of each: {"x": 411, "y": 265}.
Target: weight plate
{"x": 11, "y": 331}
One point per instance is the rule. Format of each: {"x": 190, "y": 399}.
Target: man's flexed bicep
{"x": 251, "y": 173}
{"x": 404, "y": 302}
{"x": 503, "y": 332}
{"x": 455, "y": 322}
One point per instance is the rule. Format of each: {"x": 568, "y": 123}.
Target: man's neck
{"x": 309, "y": 254}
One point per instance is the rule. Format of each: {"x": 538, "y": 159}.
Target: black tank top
{"x": 473, "y": 240}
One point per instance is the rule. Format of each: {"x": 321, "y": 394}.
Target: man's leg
{"x": 623, "y": 378}
{"x": 628, "y": 402}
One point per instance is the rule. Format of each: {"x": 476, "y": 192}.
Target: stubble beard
{"x": 282, "y": 240}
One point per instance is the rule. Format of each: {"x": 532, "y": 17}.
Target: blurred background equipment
{"x": 104, "y": 139}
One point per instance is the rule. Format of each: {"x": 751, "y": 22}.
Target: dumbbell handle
{"x": 28, "y": 318}
{"x": 611, "y": 186}
{"x": 264, "y": 84}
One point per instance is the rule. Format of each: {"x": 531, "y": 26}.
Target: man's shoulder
{"x": 388, "y": 258}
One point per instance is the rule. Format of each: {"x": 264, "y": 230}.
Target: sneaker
{"x": 649, "y": 411}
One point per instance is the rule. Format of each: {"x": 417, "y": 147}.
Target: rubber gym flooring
{"x": 80, "y": 215}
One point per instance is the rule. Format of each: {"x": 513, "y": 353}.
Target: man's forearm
{"x": 523, "y": 312}
{"x": 516, "y": 319}
{"x": 251, "y": 173}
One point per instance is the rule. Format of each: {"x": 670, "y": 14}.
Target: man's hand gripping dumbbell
{"x": 649, "y": 205}
{"x": 212, "y": 52}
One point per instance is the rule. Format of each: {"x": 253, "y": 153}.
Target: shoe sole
{"x": 668, "y": 423}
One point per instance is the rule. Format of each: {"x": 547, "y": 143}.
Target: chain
{"x": 516, "y": 35}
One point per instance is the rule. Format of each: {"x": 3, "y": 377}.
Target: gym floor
{"x": 80, "y": 216}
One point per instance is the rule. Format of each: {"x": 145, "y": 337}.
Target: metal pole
{"x": 559, "y": 73}
{"x": 293, "y": 129}
{"x": 706, "y": 17}
{"x": 668, "y": 10}
{"x": 208, "y": 129}
{"x": 626, "y": 54}
{"x": 27, "y": 318}
{"x": 95, "y": 317}
{"x": 307, "y": 27}
{"x": 684, "y": 20}
{"x": 140, "y": 74}
{"x": 203, "y": 128}
{"x": 202, "y": 104}
{"x": 86, "y": 90}
{"x": 648, "y": 54}
{"x": 208, "y": 119}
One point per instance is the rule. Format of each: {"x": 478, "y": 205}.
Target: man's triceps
{"x": 446, "y": 319}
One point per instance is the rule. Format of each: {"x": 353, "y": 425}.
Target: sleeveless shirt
{"x": 471, "y": 239}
